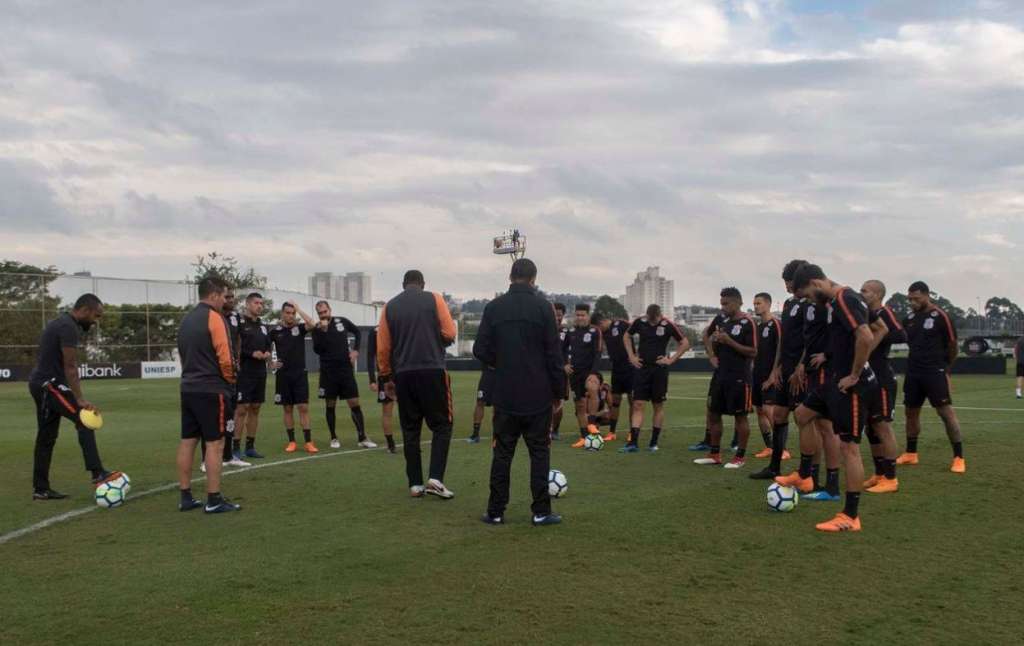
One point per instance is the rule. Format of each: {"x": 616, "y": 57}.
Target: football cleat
{"x": 884, "y": 485}
{"x": 310, "y": 447}
{"x": 841, "y": 523}
{"x": 436, "y": 488}
{"x": 290, "y": 447}
{"x": 579, "y": 443}
{"x": 821, "y": 495}
{"x": 238, "y": 462}
{"x": 48, "y": 494}
{"x": 763, "y": 453}
{"x": 253, "y": 453}
{"x": 190, "y": 505}
{"x": 958, "y": 466}
{"x": 629, "y": 448}
{"x": 473, "y": 439}
{"x": 610, "y": 437}
{"x": 416, "y": 491}
{"x": 872, "y": 481}
{"x": 202, "y": 467}
{"x": 335, "y": 444}
{"x": 804, "y": 485}
{"x": 492, "y": 520}
{"x": 367, "y": 443}
{"x": 699, "y": 446}
{"x": 653, "y": 448}
{"x": 907, "y": 458}
{"x": 735, "y": 463}
{"x": 764, "y": 474}
{"x": 223, "y": 507}
{"x": 547, "y": 519}
{"x": 713, "y": 459}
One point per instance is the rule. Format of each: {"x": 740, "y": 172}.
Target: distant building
{"x": 358, "y": 287}
{"x": 650, "y": 287}
{"x": 324, "y": 284}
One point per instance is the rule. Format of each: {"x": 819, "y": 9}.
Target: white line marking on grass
{"x": 955, "y": 407}
{"x": 60, "y": 518}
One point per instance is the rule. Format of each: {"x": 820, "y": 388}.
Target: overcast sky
{"x": 717, "y": 139}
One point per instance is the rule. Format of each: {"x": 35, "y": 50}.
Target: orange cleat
{"x": 907, "y": 458}
{"x": 764, "y": 453}
{"x": 610, "y": 437}
{"x": 958, "y": 466}
{"x": 290, "y": 448}
{"x": 805, "y": 485}
{"x": 578, "y": 444}
{"x": 310, "y": 447}
{"x": 786, "y": 455}
{"x": 841, "y": 523}
{"x": 872, "y": 481}
{"x": 592, "y": 429}
{"x": 884, "y": 485}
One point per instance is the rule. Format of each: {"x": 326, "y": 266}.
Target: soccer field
{"x": 653, "y": 549}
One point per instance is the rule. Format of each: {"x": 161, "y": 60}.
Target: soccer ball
{"x": 593, "y": 442}
{"x": 782, "y": 498}
{"x": 558, "y": 484}
{"x": 113, "y": 493}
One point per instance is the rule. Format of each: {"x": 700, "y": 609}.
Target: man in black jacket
{"x": 519, "y": 339}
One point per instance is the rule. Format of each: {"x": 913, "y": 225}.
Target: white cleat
{"x": 735, "y": 463}
{"x": 368, "y": 444}
{"x": 238, "y": 462}
{"x": 416, "y": 491}
{"x": 707, "y": 461}
{"x": 335, "y": 444}
{"x": 437, "y": 488}
{"x": 202, "y": 467}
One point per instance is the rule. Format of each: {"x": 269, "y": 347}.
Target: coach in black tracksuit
{"x": 519, "y": 339}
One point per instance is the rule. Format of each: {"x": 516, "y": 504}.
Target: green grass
{"x": 654, "y": 549}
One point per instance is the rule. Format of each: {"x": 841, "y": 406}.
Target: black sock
{"x": 291, "y": 434}
{"x": 707, "y": 436}
{"x": 250, "y": 443}
{"x": 815, "y": 471}
{"x": 307, "y": 434}
{"x": 852, "y": 501}
{"x": 213, "y": 498}
{"x": 186, "y": 495}
{"x": 592, "y": 419}
{"x": 357, "y": 419}
{"x": 391, "y": 441}
{"x": 911, "y": 445}
{"x": 767, "y": 437}
{"x": 741, "y": 453}
{"x": 715, "y": 449}
{"x": 733, "y": 442}
{"x": 583, "y": 431}
{"x": 832, "y": 481}
{"x": 958, "y": 449}
{"x": 780, "y": 433}
{"x": 331, "y": 421}
{"x": 476, "y": 430}
{"x": 237, "y": 444}
{"x": 612, "y": 424}
{"x": 879, "y": 462}
{"x": 655, "y": 434}
{"x": 806, "y": 465}
{"x": 889, "y": 468}
{"x": 634, "y": 437}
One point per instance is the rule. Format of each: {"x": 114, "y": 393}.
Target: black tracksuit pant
{"x": 507, "y": 431}
{"x": 424, "y": 396}
{"x": 53, "y": 401}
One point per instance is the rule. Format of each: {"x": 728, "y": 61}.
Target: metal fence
{"x": 141, "y": 317}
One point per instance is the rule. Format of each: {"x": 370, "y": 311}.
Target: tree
{"x": 25, "y": 307}
{"x": 899, "y": 304}
{"x": 610, "y": 307}
{"x": 226, "y": 268}
{"x": 1002, "y": 313}
{"x": 956, "y": 315}
{"x": 127, "y": 333}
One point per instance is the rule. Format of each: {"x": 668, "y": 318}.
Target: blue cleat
{"x": 820, "y": 495}
{"x": 629, "y": 448}
{"x": 549, "y": 519}
{"x": 222, "y": 507}
{"x": 473, "y": 439}
{"x": 253, "y": 453}
{"x": 653, "y": 448}
{"x": 492, "y": 520}
{"x": 700, "y": 446}
{"x": 190, "y": 505}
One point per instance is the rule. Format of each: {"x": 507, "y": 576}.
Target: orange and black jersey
{"x": 254, "y": 338}
{"x": 290, "y": 343}
{"x": 332, "y": 344}
{"x": 815, "y": 330}
{"x": 930, "y": 335}
{"x": 614, "y": 344}
{"x": 847, "y": 312}
{"x": 204, "y": 346}
{"x": 732, "y": 364}
{"x": 767, "y": 345}
{"x": 879, "y": 359}
{"x": 791, "y": 331}
{"x": 582, "y": 347}
{"x": 654, "y": 338}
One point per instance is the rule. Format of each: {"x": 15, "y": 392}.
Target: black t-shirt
{"x": 62, "y": 332}
{"x": 563, "y": 334}
{"x": 792, "y": 330}
{"x": 290, "y": 343}
{"x": 1020, "y": 350}
{"x": 582, "y": 346}
{"x": 848, "y": 312}
{"x": 767, "y": 346}
{"x": 930, "y": 334}
{"x": 654, "y": 339}
{"x": 732, "y": 364}
{"x": 254, "y": 338}
{"x": 613, "y": 342}
{"x": 879, "y": 359}
{"x": 234, "y": 325}
{"x": 332, "y": 344}
{"x": 815, "y": 330}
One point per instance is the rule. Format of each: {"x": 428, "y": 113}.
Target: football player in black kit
{"x": 887, "y": 330}
{"x": 650, "y": 381}
{"x": 735, "y": 345}
{"x": 252, "y": 375}
{"x": 387, "y": 405}
{"x": 709, "y": 347}
{"x": 933, "y": 349}
{"x": 291, "y": 389}
{"x": 231, "y": 457}
{"x": 337, "y": 370}
{"x": 558, "y": 407}
{"x": 614, "y": 332}
{"x": 582, "y": 347}
{"x": 764, "y": 363}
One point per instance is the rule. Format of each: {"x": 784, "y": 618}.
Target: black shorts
{"x": 578, "y": 384}
{"x": 650, "y": 384}
{"x": 781, "y": 395}
{"x": 485, "y": 387}
{"x": 817, "y": 380}
{"x": 622, "y": 379}
{"x": 204, "y": 415}
{"x": 252, "y": 388}
{"x": 1020, "y": 369}
{"x": 338, "y": 381}
{"x": 847, "y": 411}
{"x": 933, "y": 386}
{"x": 730, "y": 396}
{"x": 382, "y": 393}
{"x": 760, "y": 396}
{"x": 880, "y": 408}
{"x": 291, "y": 389}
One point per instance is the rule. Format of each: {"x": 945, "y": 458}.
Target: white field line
{"x": 60, "y": 518}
